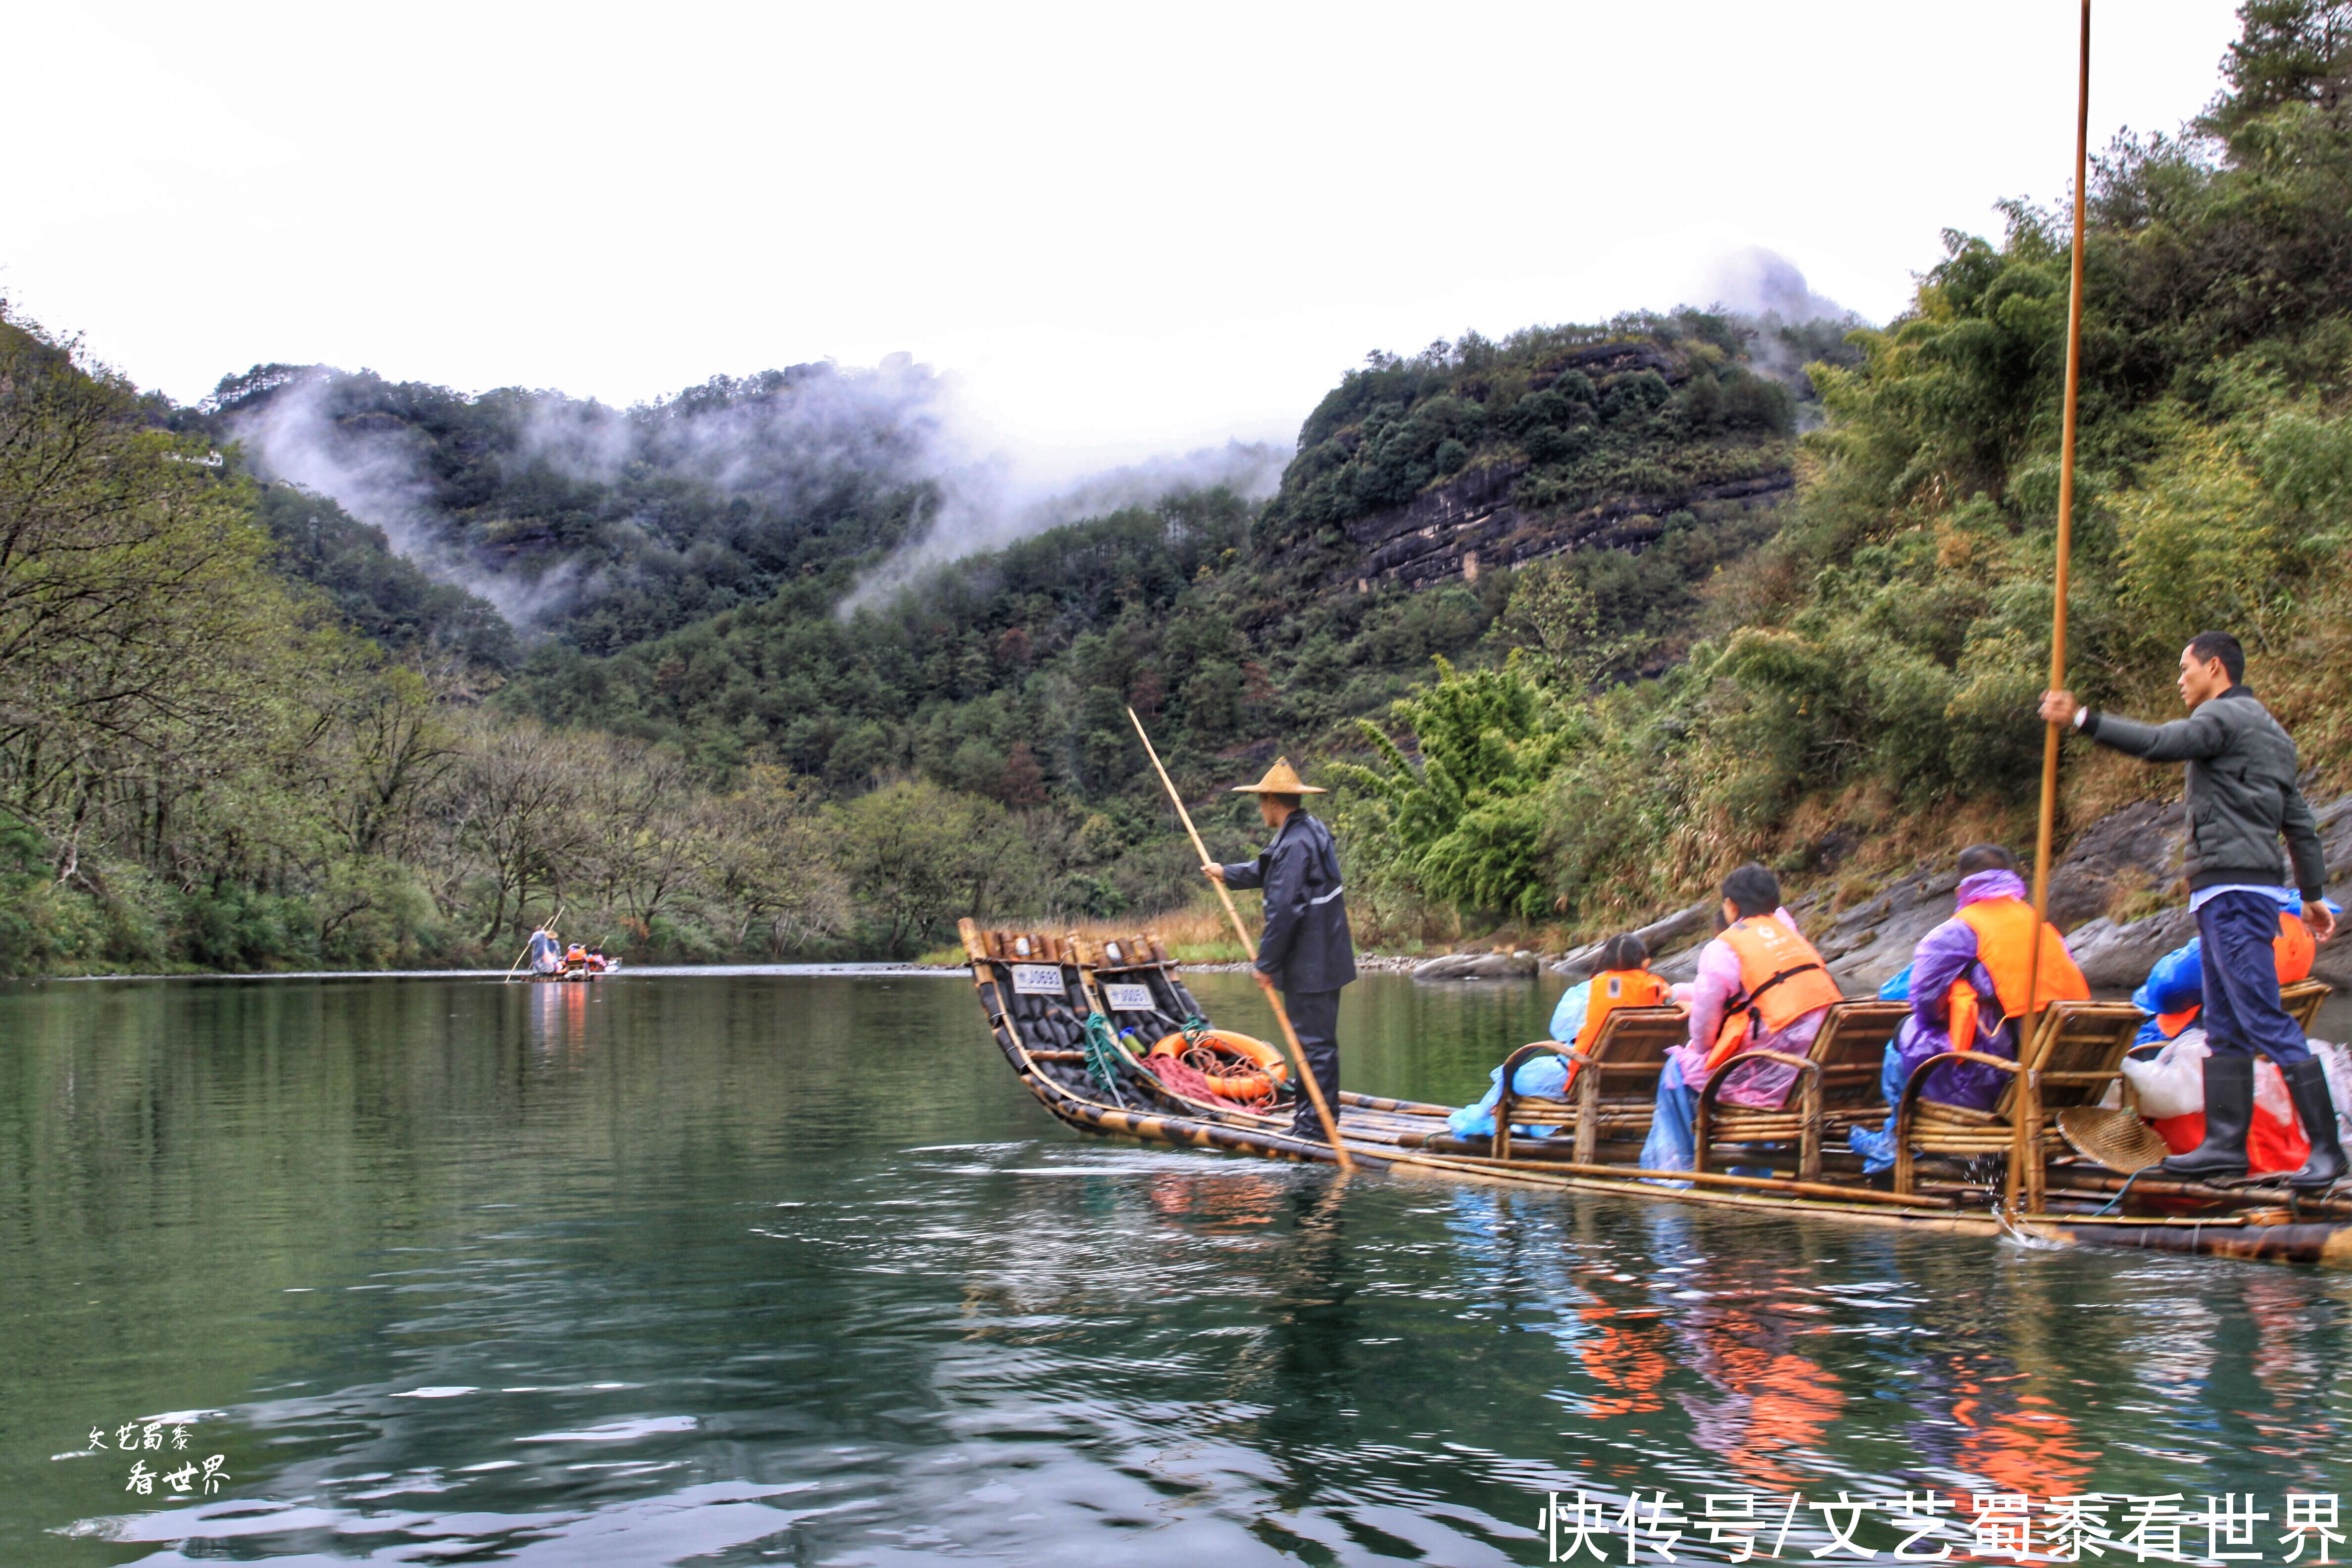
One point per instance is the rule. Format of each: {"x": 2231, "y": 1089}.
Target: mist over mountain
{"x": 602, "y": 527}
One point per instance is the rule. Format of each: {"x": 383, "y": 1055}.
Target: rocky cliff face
{"x": 1470, "y": 524}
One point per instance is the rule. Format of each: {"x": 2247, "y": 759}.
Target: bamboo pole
{"x": 1281, "y": 1014}
{"x": 2046, "y": 831}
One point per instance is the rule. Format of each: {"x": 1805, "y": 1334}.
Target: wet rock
{"x": 2117, "y": 957}
{"x": 2137, "y": 848}
{"x": 1869, "y": 955}
{"x": 1835, "y": 845}
{"x": 1478, "y": 966}
{"x": 1681, "y": 968}
{"x": 1581, "y": 963}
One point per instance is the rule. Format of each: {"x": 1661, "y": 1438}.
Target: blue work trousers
{"x": 2240, "y": 1012}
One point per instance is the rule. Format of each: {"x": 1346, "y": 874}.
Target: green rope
{"x": 1102, "y": 1055}
{"x": 1196, "y": 1031}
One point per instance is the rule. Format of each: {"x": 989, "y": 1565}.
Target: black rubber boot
{"x": 2307, "y": 1082}
{"x": 2228, "y": 1108}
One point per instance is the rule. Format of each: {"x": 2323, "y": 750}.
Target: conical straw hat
{"x": 1280, "y": 779}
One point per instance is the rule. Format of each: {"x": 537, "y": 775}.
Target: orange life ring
{"x": 1254, "y": 1084}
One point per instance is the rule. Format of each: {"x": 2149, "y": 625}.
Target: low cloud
{"x": 376, "y": 474}
{"x": 793, "y": 441}
{"x": 1754, "y": 281}
{"x": 989, "y": 504}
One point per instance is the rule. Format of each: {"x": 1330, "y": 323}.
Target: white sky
{"x": 1123, "y": 228}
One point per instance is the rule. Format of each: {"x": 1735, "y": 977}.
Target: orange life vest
{"x": 1782, "y": 979}
{"x": 2004, "y": 929}
{"x": 2295, "y": 947}
{"x": 1615, "y": 988}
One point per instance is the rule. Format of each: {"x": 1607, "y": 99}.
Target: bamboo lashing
{"x": 1274, "y": 999}
{"x": 2054, "y": 733}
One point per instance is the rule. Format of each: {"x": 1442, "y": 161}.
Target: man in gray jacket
{"x": 1307, "y": 950}
{"x": 2241, "y": 797}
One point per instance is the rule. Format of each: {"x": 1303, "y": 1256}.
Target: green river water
{"x": 751, "y": 1267}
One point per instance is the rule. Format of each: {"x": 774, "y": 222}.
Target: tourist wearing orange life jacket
{"x": 1969, "y": 980}
{"x": 1760, "y": 986}
{"x": 1624, "y": 979}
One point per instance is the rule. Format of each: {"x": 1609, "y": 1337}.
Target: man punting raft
{"x": 2241, "y": 797}
{"x": 1307, "y": 950}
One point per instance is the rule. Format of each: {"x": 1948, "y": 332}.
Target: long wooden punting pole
{"x": 2049, "y": 739}
{"x": 1274, "y": 999}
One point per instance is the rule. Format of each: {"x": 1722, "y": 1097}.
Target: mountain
{"x": 336, "y": 670}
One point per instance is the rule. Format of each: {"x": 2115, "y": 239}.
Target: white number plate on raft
{"x": 1038, "y": 980}
{"x": 1128, "y": 998}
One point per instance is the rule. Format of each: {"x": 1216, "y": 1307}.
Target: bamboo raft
{"x": 2048, "y": 1162}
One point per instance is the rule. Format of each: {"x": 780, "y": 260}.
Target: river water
{"x": 764, "y": 1266}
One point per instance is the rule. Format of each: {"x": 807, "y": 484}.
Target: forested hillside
{"x": 1866, "y": 693}
{"x": 1575, "y": 619}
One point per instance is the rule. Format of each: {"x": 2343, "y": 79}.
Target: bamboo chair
{"x": 1836, "y": 1086}
{"x": 1615, "y": 1089}
{"x": 2302, "y": 1001}
{"x": 2076, "y": 1049}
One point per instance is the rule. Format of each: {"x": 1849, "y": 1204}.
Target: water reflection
{"x": 786, "y": 1267}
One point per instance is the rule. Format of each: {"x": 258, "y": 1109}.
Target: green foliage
{"x": 917, "y": 858}
{"x": 1889, "y": 643}
{"x": 382, "y": 595}
{"x": 1675, "y": 408}
{"x": 1468, "y": 820}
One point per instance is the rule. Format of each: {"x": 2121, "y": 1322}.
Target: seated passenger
{"x": 575, "y": 956}
{"x": 1967, "y": 982}
{"x": 1624, "y": 979}
{"x": 1760, "y": 986}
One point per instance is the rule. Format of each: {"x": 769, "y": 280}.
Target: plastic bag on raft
{"x": 1545, "y": 1077}
{"x": 2335, "y": 1061}
{"x": 2171, "y": 1090}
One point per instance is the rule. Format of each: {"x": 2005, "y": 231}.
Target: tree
{"x": 1468, "y": 818}
{"x": 139, "y": 637}
{"x": 918, "y": 858}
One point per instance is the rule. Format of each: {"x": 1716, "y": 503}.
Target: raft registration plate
{"x": 1036, "y": 979}
{"x": 1128, "y": 998}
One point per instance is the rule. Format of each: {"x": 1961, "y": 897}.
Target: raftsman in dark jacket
{"x": 1307, "y": 946}
{"x": 2240, "y": 791}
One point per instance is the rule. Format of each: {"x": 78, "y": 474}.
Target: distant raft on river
{"x": 1110, "y": 1040}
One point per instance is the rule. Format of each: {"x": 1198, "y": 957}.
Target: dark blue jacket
{"x": 1307, "y": 946}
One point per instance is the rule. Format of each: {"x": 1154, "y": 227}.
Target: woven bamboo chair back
{"x": 1632, "y": 1046}
{"x": 1850, "y": 1051}
{"x": 1625, "y": 1061}
{"x": 2302, "y": 1002}
{"x": 2076, "y": 1051}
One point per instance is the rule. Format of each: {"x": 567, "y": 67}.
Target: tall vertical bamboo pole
{"x": 2049, "y": 740}
{"x": 1281, "y": 1014}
